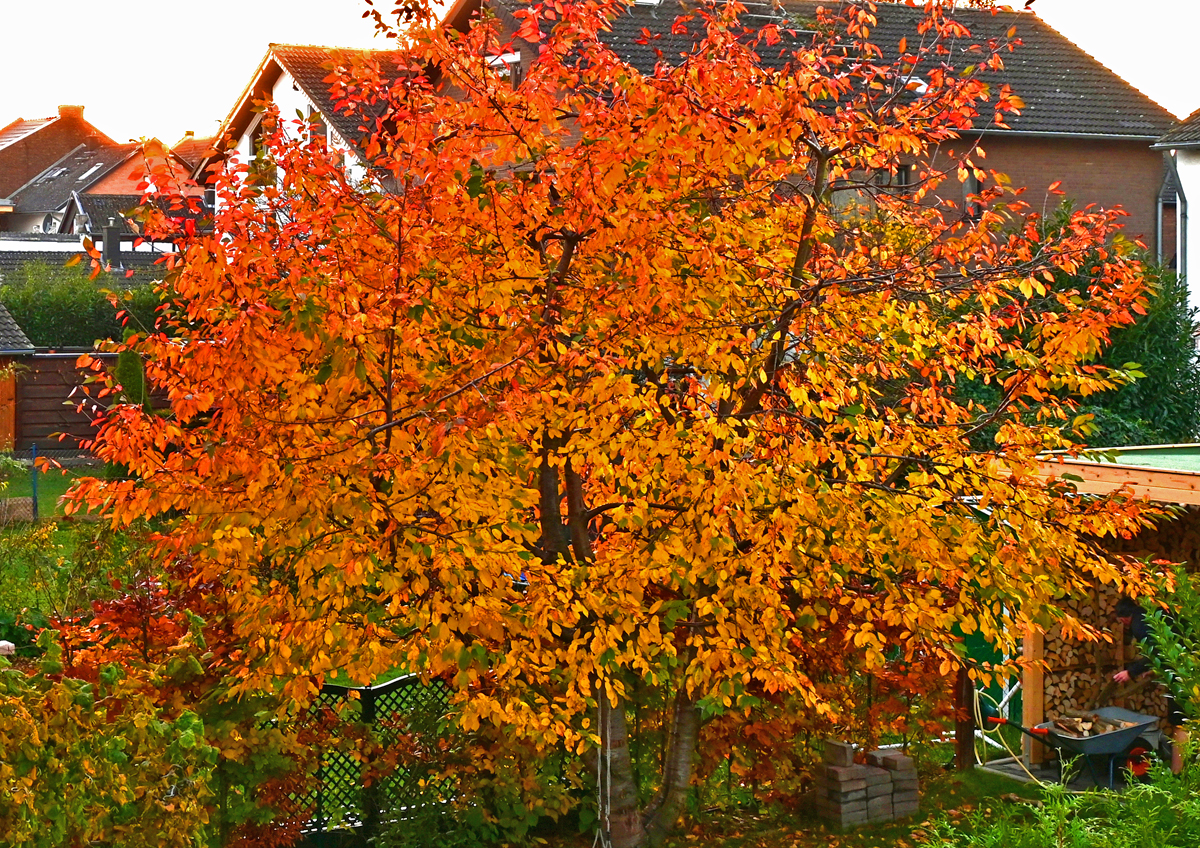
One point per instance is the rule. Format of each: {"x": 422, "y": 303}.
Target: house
{"x": 292, "y": 78}
{"x": 29, "y": 147}
{"x": 1181, "y": 145}
{"x": 1083, "y": 126}
{"x": 39, "y": 206}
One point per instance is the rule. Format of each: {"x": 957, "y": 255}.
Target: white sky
{"x": 160, "y": 69}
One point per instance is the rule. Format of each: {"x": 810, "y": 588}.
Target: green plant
{"x": 1163, "y": 813}
{"x": 59, "y": 306}
{"x": 1174, "y": 652}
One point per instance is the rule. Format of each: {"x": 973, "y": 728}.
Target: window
{"x": 508, "y": 66}
{"x": 971, "y": 187}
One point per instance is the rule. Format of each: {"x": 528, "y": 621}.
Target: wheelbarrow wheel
{"x": 1136, "y": 759}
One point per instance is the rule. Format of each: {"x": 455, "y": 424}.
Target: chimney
{"x": 110, "y": 247}
{"x": 70, "y": 112}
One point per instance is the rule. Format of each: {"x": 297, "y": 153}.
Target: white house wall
{"x": 1188, "y": 164}
{"x": 293, "y": 104}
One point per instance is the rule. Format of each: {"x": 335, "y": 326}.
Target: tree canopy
{"x": 617, "y": 379}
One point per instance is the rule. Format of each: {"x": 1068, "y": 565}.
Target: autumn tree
{"x": 609, "y": 379}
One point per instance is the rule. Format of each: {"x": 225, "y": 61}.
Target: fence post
{"x": 34, "y": 481}
{"x": 370, "y": 795}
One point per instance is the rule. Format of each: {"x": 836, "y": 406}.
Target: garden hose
{"x": 990, "y": 716}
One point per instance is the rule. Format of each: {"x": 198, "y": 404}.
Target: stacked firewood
{"x": 1176, "y": 540}
{"x": 1086, "y": 725}
{"x": 1077, "y": 671}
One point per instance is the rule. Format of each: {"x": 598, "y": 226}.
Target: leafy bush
{"x": 1164, "y": 813}
{"x": 1175, "y": 652}
{"x": 58, "y": 306}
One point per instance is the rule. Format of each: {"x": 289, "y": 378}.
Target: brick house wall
{"x": 1104, "y": 172}
{"x": 23, "y": 160}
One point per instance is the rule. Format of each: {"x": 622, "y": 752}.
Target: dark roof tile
{"x": 83, "y": 166}
{"x": 12, "y": 337}
{"x": 1186, "y": 134}
{"x": 144, "y": 264}
{"x": 309, "y": 66}
{"x": 1066, "y": 90}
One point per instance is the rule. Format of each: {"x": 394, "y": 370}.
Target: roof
{"x": 308, "y": 65}
{"x": 83, "y": 166}
{"x": 20, "y": 128}
{"x": 1066, "y": 90}
{"x": 143, "y": 263}
{"x": 1186, "y": 134}
{"x": 12, "y": 338}
{"x": 101, "y": 207}
{"x": 1163, "y": 473}
{"x": 192, "y": 150}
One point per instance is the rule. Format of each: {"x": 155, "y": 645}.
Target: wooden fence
{"x": 52, "y": 407}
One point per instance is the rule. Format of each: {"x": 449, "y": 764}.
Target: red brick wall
{"x": 1107, "y": 173}
{"x": 24, "y": 160}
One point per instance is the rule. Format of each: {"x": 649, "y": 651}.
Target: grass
{"x": 52, "y": 485}
{"x": 945, "y": 795}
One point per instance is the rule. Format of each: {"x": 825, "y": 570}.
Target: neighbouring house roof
{"x": 21, "y": 128}
{"x": 28, "y": 147}
{"x": 308, "y": 66}
{"x": 1186, "y": 134}
{"x": 13, "y": 341}
{"x": 191, "y": 150}
{"x": 84, "y": 166}
{"x": 99, "y": 208}
{"x": 143, "y": 263}
{"x": 1067, "y": 92}
{"x": 1169, "y": 193}
{"x": 1163, "y": 473}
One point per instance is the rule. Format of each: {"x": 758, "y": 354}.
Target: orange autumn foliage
{"x": 623, "y": 376}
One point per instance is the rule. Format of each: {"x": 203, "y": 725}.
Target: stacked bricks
{"x": 850, "y": 795}
{"x": 906, "y": 791}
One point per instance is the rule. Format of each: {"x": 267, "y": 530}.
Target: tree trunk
{"x": 680, "y": 762}
{"x": 618, "y": 792}
{"x": 619, "y": 815}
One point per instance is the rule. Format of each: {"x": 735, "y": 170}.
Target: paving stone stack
{"x": 849, "y": 795}
{"x": 906, "y": 791}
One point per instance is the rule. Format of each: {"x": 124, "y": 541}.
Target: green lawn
{"x": 52, "y": 485}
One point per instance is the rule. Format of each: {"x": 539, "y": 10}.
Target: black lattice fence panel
{"x": 380, "y": 762}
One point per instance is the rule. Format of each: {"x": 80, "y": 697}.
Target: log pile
{"x": 1086, "y": 725}
{"x": 1078, "y": 676}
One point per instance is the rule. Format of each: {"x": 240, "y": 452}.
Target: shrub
{"x": 58, "y": 306}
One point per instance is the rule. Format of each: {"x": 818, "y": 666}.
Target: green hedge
{"x": 60, "y": 307}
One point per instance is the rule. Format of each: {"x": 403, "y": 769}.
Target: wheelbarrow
{"x": 1113, "y": 747}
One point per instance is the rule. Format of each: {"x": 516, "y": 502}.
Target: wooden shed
{"x": 15, "y": 349}
{"x": 1067, "y": 674}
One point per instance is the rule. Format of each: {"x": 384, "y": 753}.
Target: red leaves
{"x": 528, "y": 30}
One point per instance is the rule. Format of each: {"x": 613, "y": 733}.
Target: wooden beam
{"x": 1033, "y": 694}
{"x": 1101, "y": 478}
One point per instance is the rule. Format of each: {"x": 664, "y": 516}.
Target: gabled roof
{"x": 1185, "y": 135}
{"x": 1067, "y": 92}
{"x": 21, "y": 128}
{"x": 99, "y": 208}
{"x": 308, "y": 65}
{"x": 84, "y": 166}
{"x": 191, "y": 150}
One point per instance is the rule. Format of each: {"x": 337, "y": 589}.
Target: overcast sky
{"x": 160, "y": 69}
